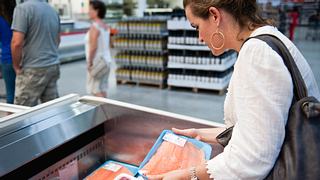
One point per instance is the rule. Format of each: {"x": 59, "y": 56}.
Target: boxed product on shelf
{"x": 176, "y": 37}
{"x": 111, "y": 169}
{"x": 198, "y": 78}
{"x": 140, "y": 42}
{"x": 201, "y": 60}
{"x": 192, "y": 37}
{"x": 143, "y": 25}
{"x": 123, "y": 74}
{"x": 173, "y": 152}
{"x": 142, "y": 75}
{"x": 122, "y": 58}
{"x": 122, "y": 27}
{"x": 189, "y": 37}
{"x": 147, "y": 27}
{"x": 141, "y": 59}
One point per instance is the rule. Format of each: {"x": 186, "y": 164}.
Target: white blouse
{"x": 103, "y": 44}
{"x": 257, "y": 104}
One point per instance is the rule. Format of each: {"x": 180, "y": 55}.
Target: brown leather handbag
{"x": 299, "y": 157}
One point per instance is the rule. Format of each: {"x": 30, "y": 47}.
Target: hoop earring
{"x": 217, "y": 37}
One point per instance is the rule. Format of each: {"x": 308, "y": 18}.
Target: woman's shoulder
{"x": 258, "y": 53}
{"x": 253, "y": 45}
{"x": 100, "y": 26}
{"x": 94, "y": 25}
{"x": 105, "y": 26}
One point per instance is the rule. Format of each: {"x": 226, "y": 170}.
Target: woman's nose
{"x": 201, "y": 39}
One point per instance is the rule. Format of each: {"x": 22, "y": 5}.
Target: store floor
{"x": 202, "y": 105}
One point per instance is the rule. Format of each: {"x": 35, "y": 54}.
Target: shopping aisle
{"x": 202, "y": 105}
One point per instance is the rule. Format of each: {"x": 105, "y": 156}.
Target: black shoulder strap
{"x": 300, "y": 90}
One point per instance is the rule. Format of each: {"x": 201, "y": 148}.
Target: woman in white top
{"x": 97, "y": 45}
{"x": 259, "y": 94}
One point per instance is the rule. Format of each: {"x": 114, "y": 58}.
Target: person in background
{"x": 35, "y": 41}
{"x": 282, "y": 21}
{"x": 317, "y": 26}
{"x": 259, "y": 95}
{"x": 313, "y": 26}
{"x": 9, "y": 76}
{"x": 294, "y": 22}
{"x": 97, "y": 45}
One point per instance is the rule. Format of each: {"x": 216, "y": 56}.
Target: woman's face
{"x": 205, "y": 28}
{"x": 92, "y": 13}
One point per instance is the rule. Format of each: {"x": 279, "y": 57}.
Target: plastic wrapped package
{"x": 173, "y": 152}
{"x": 128, "y": 177}
{"x": 110, "y": 170}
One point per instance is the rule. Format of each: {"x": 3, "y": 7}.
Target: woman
{"x": 259, "y": 94}
{"x": 97, "y": 45}
{"x": 282, "y": 20}
{"x": 9, "y": 76}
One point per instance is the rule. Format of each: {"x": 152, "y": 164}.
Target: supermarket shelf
{"x": 145, "y": 19}
{"x": 141, "y": 49}
{"x": 209, "y": 67}
{"x": 179, "y": 25}
{"x": 162, "y": 67}
{"x": 146, "y": 37}
{"x": 161, "y": 34}
{"x": 194, "y": 84}
{"x": 188, "y": 47}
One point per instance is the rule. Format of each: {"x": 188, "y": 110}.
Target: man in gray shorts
{"x": 35, "y": 41}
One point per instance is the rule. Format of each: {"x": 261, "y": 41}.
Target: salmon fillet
{"x": 104, "y": 174}
{"x": 171, "y": 157}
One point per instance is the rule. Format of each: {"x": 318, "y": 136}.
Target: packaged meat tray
{"x": 110, "y": 170}
{"x": 173, "y": 152}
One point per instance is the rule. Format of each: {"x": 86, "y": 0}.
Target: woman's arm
{"x": 93, "y": 44}
{"x": 185, "y": 174}
{"x": 207, "y": 135}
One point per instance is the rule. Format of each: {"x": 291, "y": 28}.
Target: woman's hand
{"x": 207, "y": 134}
{"x": 176, "y": 175}
{"x": 89, "y": 66}
{"x": 183, "y": 174}
{"x": 18, "y": 70}
{"x": 193, "y": 133}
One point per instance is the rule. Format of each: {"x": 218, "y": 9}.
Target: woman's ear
{"x": 215, "y": 15}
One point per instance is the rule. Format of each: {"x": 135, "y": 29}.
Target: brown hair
{"x": 6, "y": 9}
{"x": 245, "y": 12}
{"x": 100, "y": 7}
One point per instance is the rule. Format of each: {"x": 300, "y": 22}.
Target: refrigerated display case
{"x": 70, "y": 137}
